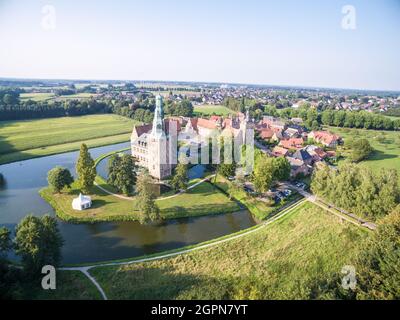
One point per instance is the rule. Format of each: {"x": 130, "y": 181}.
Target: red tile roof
{"x": 292, "y": 143}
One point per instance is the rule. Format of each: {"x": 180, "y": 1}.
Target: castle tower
{"x": 159, "y": 166}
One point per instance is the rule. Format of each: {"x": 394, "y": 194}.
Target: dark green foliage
{"x": 148, "y": 209}
{"x": 86, "y": 169}
{"x": 121, "y": 173}
{"x": 267, "y": 170}
{"x": 38, "y": 242}
{"x": 180, "y": 179}
{"x": 377, "y": 266}
{"x": 361, "y": 149}
{"x": 183, "y": 108}
{"x": 341, "y": 118}
{"x": 358, "y": 189}
{"x": 378, "y": 263}
{"x": 58, "y": 178}
{"x": 5, "y": 242}
{"x": 227, "y": 169}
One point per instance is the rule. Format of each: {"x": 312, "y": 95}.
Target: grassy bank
{"x": 20, "y": 140}
{"x": 203, "y": 199}
{"x": 281, "y": 261}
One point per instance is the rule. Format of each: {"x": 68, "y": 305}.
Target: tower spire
{"x": 158, "y": 127}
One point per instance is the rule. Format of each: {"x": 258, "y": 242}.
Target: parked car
{"x": 277, "y": 199}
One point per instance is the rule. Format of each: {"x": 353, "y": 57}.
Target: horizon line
{"x": 202, "y": 82}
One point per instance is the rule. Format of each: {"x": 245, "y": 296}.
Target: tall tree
{"x": 180, "y": 179}
{"x": 38, "y": 242}
{"x": 281, "y": 169}
{"x": 361, "y": 149}
{"x": 145, "y": 200}
{"x": 263, "y": 173}
{"x": 86, "y": 169}
{"x": 58, "y": 178}
{"x": 121, "y": 173}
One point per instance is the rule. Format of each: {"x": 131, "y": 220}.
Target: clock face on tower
{"x": 159, "y": 127}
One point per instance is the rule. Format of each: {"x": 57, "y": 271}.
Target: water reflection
{"x": 103, "y": 241}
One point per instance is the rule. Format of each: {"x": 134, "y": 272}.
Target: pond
{"x": 87, "y": 243}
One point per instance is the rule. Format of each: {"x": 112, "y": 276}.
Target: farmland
{"x": 31, "y": 138}
{"x": 208, "y": 109}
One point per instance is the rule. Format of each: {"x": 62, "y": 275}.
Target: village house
{"x": 326, "y": 138}
{"x": 304, "y": 156}
{"x": 279, "y": 152}
{"x": 266, "y": 134}
{"x": 298, "y": 167}
{"x": 274, "y": 123}
{"x": 316, "y": 152}
{"x": 292, "y": 143}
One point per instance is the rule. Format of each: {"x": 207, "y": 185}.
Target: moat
{"x": 106, "y": 240}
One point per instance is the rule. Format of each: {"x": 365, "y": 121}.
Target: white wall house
{"x": 82, "y": 202}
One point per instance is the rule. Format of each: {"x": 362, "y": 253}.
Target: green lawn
{"x": 37, "y": 96}
{"x": 203, "y": 199}
{"x": 70, "y": 285}
{"x": 387, "y": 148}
{"x": 31, "y": 138}
{"x": 208, "y": 109}
{"x": 281, "y": 261}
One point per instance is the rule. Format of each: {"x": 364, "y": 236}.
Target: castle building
{"x": 155, "y": 146}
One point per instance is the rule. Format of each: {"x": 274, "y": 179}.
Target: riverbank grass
{"x": 283, "y": 260}
{"x": 204, "y": 199}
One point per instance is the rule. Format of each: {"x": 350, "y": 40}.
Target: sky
{"x": 286, "y": 42}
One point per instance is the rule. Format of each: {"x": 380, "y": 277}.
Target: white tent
{"x": 82, "y": 202}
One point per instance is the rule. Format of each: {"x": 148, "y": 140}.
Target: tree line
{"x": 43, "y": 109}
{"x": 142, "y": 109}
{"x": 339, "y": 118}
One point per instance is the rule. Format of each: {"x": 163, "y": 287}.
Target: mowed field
{"x": 209, "y": 109}
{"x": 385, "y": 143}
{"x": 42, "y": 96}
{"x": 284, "y": 260}
{"x": 31, "y": 138}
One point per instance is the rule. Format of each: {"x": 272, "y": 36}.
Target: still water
{"x": 109, "y": 240}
